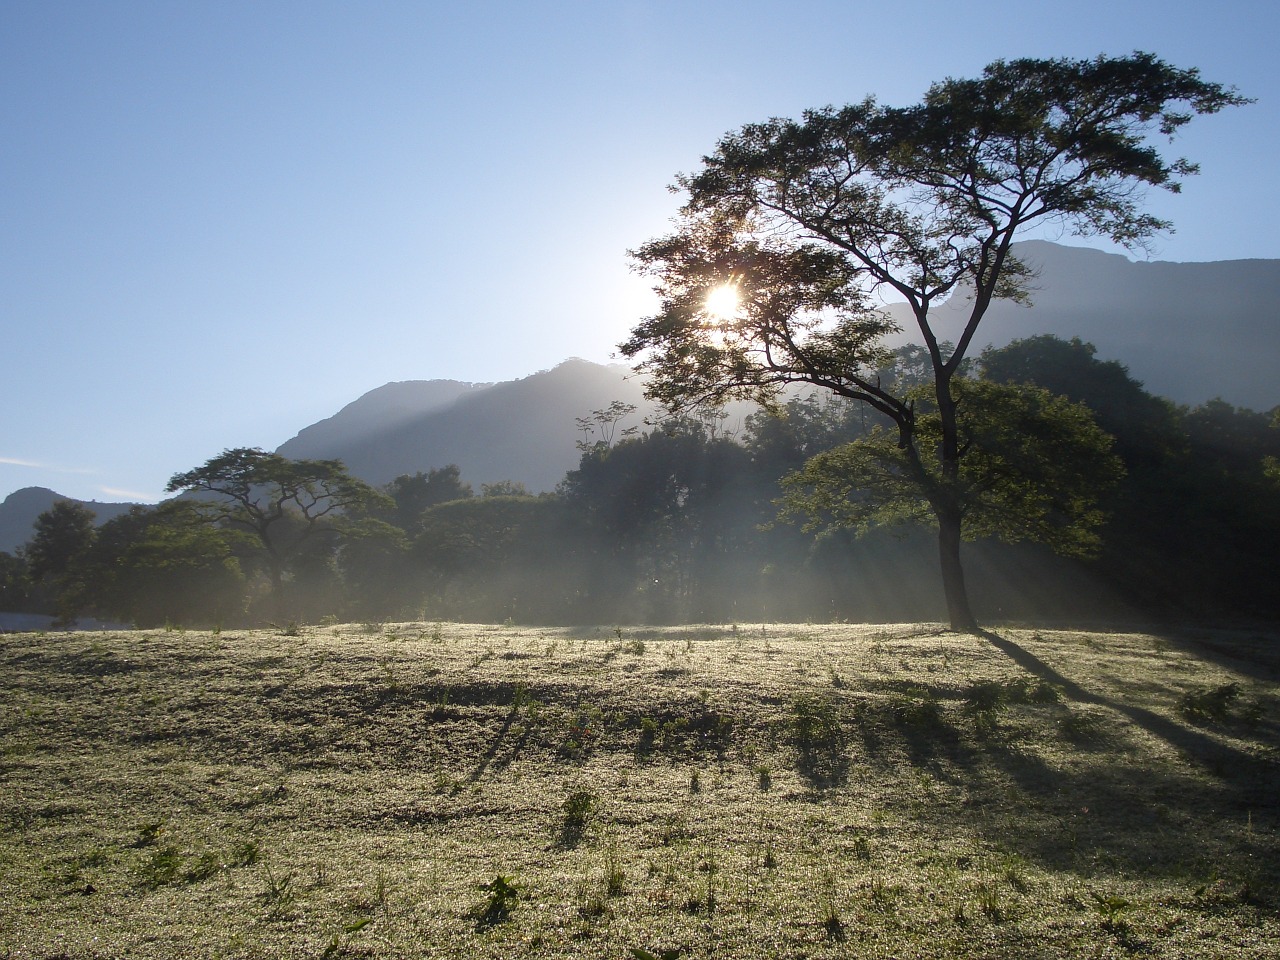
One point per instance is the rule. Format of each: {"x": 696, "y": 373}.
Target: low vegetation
{"x": 444, "y": 790}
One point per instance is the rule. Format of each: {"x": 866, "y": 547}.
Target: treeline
{"x": 678, "y": 524}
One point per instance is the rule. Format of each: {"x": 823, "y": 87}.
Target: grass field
{"x": 446, "y": 790}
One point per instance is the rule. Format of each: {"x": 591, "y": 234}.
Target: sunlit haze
{"x": 222, "y": 222}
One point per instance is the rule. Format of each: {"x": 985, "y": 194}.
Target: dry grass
{"x": 424, "y": 790}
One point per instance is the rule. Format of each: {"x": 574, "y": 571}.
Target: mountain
{"x": 385, "y": 409}
{"x": 20, "y": 509}
{"x": 520, "y": 430}
{"x": 1189, "y": 331}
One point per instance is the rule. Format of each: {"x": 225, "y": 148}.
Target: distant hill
{"x": 20, "y": 509}
{"x": 521, "y": 430}
{"x": 1189, "y": 331}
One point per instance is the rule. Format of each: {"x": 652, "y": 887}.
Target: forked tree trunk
{"x": 953, "y": 588}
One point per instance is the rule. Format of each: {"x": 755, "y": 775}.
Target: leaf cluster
{"x": 1034, "y": 465}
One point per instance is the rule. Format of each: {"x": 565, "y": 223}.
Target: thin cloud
{"x": 15, "y": 462}
{"x": 131, "y": 495}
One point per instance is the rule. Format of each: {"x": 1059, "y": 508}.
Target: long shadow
{"x": 1254, "y": 779}
{"x": 491, "y": 754}
{"x": 1251, "y": 652}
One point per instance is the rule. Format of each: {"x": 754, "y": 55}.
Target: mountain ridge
{"x": 525, "y": 430}
{"x": 1170, "y": 347}
{"x": 19, "y": 510}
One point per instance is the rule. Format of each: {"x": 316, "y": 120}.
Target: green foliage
{"x": 806, "y": 219}
{"x": 290, "y": 506}
{"x": 576, "y": 813}
{"x": 15, "y": 583}
{"x": 56, "y": 555}
{"x": 1207, "y": 466}
{"x": 160, "y": 565}
{"x": 414, "y": 494}
{"x": 497, "y": 906}
{"x": 1210, "y": 703}
{"x": 1033, "y": 469}
{"x": 819, "y": 739}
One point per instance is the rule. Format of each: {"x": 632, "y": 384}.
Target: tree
{"x": 806, "y": 222}
{"x": 670, "y": 521}
{"x": 1033, "y": 470}
{"x": 15, "y": 584}
{"x": 156, "y": 565}
{"x": 414, "y": 493}
{"x": 56, "y": 554}
{"x": 284, "y": 503}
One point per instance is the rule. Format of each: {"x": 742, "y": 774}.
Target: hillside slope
{"x": 20, "y": 509}
{"x": 1189, "y": 331}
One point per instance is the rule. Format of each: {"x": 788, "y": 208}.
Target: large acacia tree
{"x": 284, "y": 503}
{"x": 808, "y": 223}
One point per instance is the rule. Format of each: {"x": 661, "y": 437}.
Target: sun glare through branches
{"x": 723, "y": 302}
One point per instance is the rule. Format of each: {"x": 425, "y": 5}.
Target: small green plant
{"x": 334, "y": 947}
{"x": 1210, "y": 703}
{"x": 615, "y": 878}
{"x": 674, "y": 829}
{"x": 861, "y": 847}
{"x": 828, "y": 896}
{"x": 497, "y": 906}
{"x": 764, "y": 778}
{"x": 989, "y": 902}
{"x": 278, "y": 889}
{"x": 161, "y": 868}
{"x": 1080, "y": 728}
{"x": 148, "y": 833}
{"x": 575, "y": 814}
{"x": 916, "y": 710}
{"x": 1111, "y": 907}
{"x": 202, "y": 868}
{"x": 818, "y": 736}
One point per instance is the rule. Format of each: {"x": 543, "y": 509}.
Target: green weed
{"x": 497, "y": 906}
{"x": 1208, "y": 704}
{"x": 575, "y": 814}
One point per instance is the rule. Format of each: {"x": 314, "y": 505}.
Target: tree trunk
{"x": 962, "y": 619}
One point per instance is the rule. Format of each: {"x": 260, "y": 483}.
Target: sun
{"x": 723, "y": 302}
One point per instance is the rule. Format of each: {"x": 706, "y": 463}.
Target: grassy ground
{"x": 421, "y": 790}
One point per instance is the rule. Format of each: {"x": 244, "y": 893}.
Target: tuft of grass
{"x": 1208, "y": 704}
{"x": 764, "y": 778}
{"x": 278, "y": 890}
{"x": 161, "y": 868}
{"x": 575, "y": 814}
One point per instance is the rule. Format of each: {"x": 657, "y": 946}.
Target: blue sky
{"x": 223, "y": 221}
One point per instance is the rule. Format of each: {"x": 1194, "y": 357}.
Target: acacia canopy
{"x": 813, "y": 222}
{"x": 280, "y": 501}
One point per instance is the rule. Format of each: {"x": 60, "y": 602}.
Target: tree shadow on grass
{"x": 1255, "y": 780}
{"x": 1254, "y": 653}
